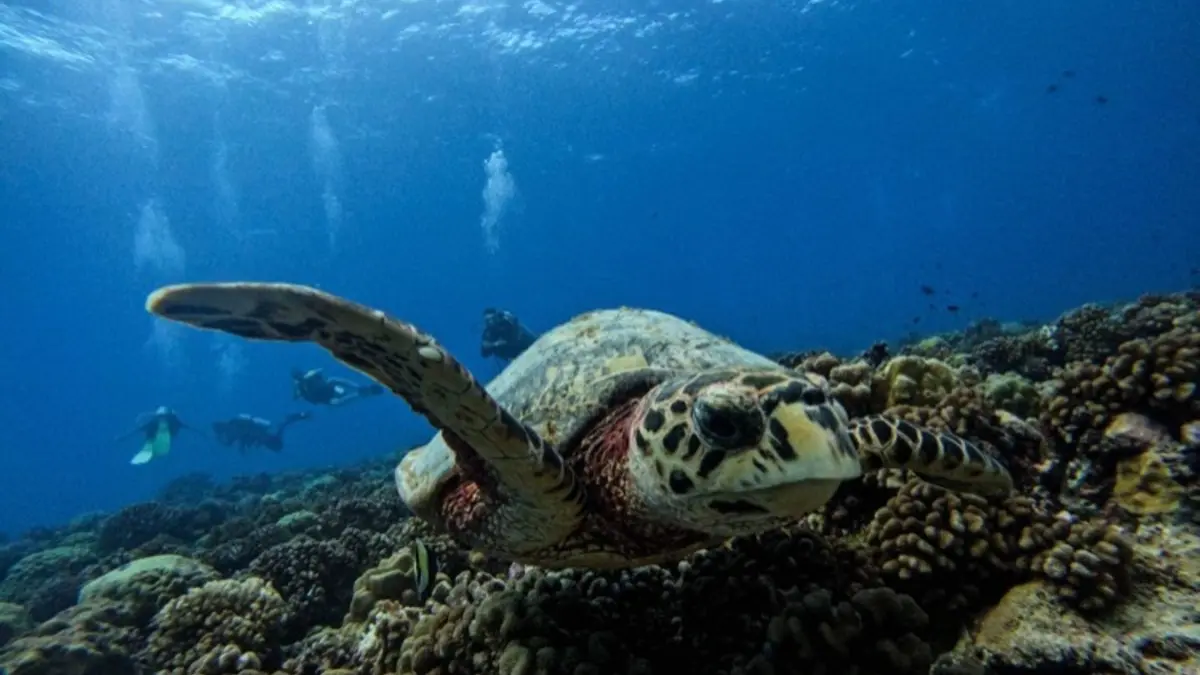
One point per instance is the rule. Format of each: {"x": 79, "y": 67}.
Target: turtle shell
{"x": 559, "y": 383}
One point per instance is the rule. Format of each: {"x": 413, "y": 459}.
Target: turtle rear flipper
{"x": 942, "y": 459}
{"x": 541, "y": 502}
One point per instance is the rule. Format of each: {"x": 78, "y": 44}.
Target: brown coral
{"x": 1088, "y": 564}
{"x": 1031, "y": 354}
{"x": 14, "y": 621}
{"x": 1136, "y": 466}
{"x": 391, "y": 579}
{"x": 851, "y": 384}
{"x": 48, "y": 581}
{"x": 1159, "y": 375}
{"x": 1092, "y": 333}
{"x": 711, "y": 613}
{"x": 221, "y": 627}
{"x": 914, "y": 380}
{"x": 952, "y": 550}
{"x": 1145, "y": 484}
{"x": 875, "y": 631}
{"x": 928, "y": 540}
{"x": 314, "y": 578}
{"x": 85, "y": 640}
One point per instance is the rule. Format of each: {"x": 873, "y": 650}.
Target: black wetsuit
{"x": 247, "y": 431}
{"x": 313, "y": 386}
{"x": 503, "y": 335}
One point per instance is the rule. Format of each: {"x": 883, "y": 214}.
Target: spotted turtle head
{"x": 736, "y": 451}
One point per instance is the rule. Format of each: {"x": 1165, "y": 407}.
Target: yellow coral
{"x": 1145, "y": 485}
{"x": 932, "y": 344}
{"x": 391, "y": 579}
{"x": 1013, "y": 393}
{"x": 914, "y": 380}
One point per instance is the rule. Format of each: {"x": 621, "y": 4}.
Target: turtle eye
{"x": 728, "y": 420}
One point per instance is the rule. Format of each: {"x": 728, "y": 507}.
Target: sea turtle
{"x": 620, "y": 438}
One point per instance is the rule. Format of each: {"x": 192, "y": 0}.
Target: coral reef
{"x": 14, "y": 621}
{"x": 224, "y": 626}
{"x": 1090, "y": 566}
{"x": 47, "y": 581}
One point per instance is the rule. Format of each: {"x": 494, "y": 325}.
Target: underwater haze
{"x": 792, "y": 175}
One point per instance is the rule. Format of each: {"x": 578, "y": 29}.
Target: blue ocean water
{"x": 788, "y": 174}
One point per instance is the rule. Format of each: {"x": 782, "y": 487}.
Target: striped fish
{"x": 424, "y": 569}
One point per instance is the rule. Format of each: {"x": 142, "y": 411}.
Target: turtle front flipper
{"x": 540, "y": 500}
{"x": 942, "y": 459}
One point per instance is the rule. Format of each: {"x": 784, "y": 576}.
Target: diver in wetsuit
{"x": 159, "y": 429}
{"x": 248, "y": 431}
{"x": 313, "y": 386}
{"x": 503, "y": 335}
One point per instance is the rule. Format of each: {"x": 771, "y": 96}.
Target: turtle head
{"x": 731, "y": 452}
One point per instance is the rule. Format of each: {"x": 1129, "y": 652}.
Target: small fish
{"x": 953, "y": 309}
{"x": 916, "y": 319}
{"x": 1101, "y": 99}
{"x": 974, "y": 295}
{"x": 927, "y": 290}
{"x": 1051, "y": 88}
{"x": 1068, "y": 73}
{"x": 424, "y": 569}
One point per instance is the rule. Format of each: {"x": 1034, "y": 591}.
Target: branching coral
{"x": 1032, "y": 354}
{"x": 1089, "y": 564}
{"x": 713, "y": 613}
{"x": 1092, "y": 333}
{"x": 928, "y": 541}
{"x": 1158, "y": 375}
{"x": 313, "y": 577}
{"x": 875, "y": 631}
{"x": 951, "y": 551}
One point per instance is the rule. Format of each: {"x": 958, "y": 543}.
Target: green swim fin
{"x": 145, "y": 455}
{"x": 162, "y": 440}
{"x": 155, "y": 447}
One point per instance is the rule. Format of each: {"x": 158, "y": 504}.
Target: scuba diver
{"x": 159, "y": 429}
{"x": 503, "y": 335}
{"x": 313, "y": 386}
{"x": 247, "y": 431}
